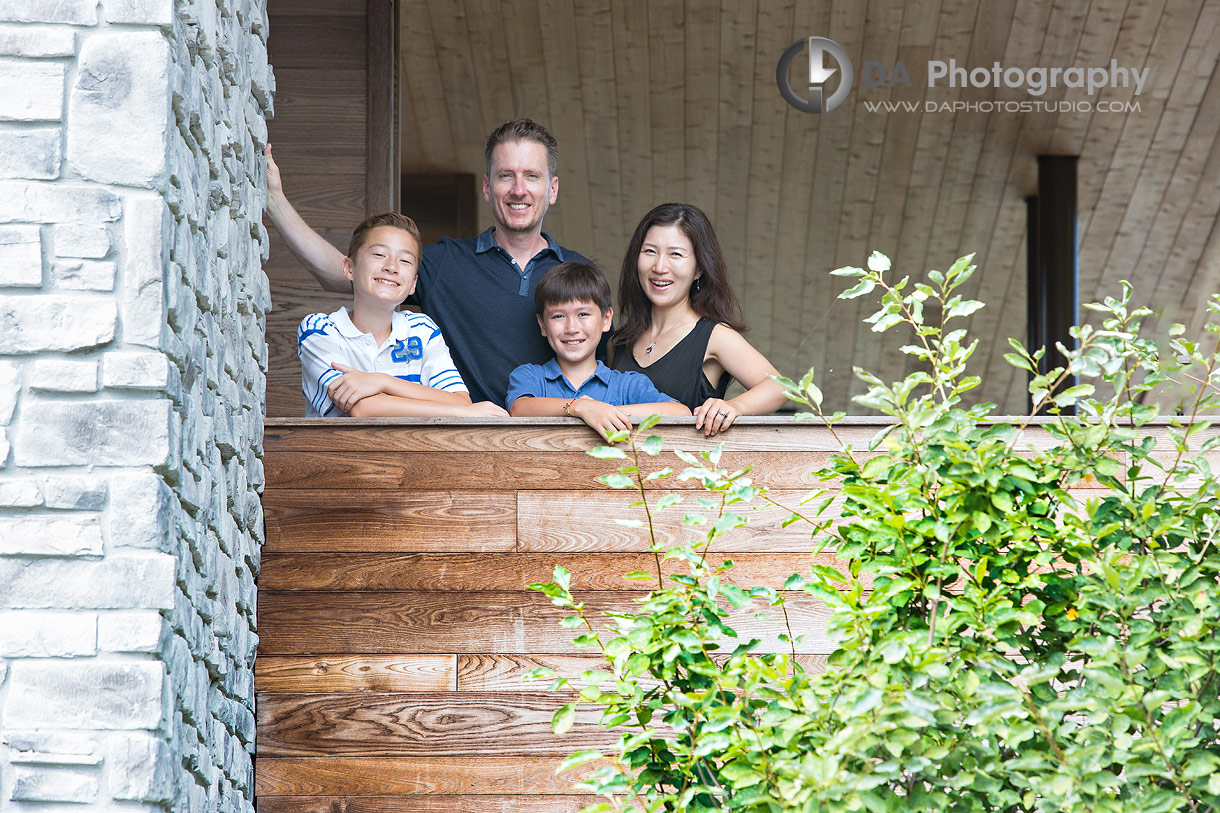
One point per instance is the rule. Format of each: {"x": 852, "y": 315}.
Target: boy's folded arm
{"x": 422, "y": 392}
{"x": 527, "y": 406}
{"x": 385, "y": 405}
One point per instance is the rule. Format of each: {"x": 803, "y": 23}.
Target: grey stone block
{"x": 142, "y": 12}
{"x": 10, "y": 388}
{"x": 141, "y": 769}
{"x": 50, "y": 536}
{"x": 114, "y": 583}
{"x": 97, "y": 695}
{"x": 135, "y": 370}
{"x": 47, "y": 783}
{"x": 132, "y": 631}
{"x": 81, "y": 12}
{"x": 20, "y": 253}
{"x": 36, "y": 634}
{"x": 25, "y": 202}
{"x": 62, "y": 375}
{"x": 34, "y": 324}
{"x": 81, "y": 240}
{"x": 82, "y": 275}
{"x": 119, "y": 108}
{"x": 36, "y": 41}
{"x": 79, "y": 492}
{"x": 20, "y": 493}
{"x": 31, "y": 91}
{"x": 100, "y": 433}
{"x": 34, "y": 153}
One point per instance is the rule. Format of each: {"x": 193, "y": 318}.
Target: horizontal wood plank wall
{"x": 395, "y": 627}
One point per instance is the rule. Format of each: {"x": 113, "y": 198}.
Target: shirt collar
{"x": 551, "y": 372}
{"x": 343, "y": 321}
{"x": 399, "y": 324}
{"x": 486, "y": 241}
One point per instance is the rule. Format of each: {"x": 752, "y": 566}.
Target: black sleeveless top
{"x": 679, "y": 373}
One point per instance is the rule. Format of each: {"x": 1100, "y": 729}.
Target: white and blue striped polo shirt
{"x": 415, "y": 352}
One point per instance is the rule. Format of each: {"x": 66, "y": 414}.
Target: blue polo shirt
{"x": 483, "y": 302}
{"x": 609, "y": 386}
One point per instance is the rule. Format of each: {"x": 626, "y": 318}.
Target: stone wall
{"x": 132, "y": 373}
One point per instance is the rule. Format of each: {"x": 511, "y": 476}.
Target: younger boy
{"x": 372, "y": 360}
{"x": 572, "y": 304}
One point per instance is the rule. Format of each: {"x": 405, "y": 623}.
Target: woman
{"x": 681, "y": 324}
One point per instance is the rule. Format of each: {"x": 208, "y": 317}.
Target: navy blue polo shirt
{"x": 483, "y": 302}
{"x": 612, "y": 387}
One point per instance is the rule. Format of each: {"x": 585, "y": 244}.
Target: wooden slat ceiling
{"x": 673, "y": 100}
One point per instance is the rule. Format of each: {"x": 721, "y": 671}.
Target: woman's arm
{"x": 322, "y": 259}
{"x": 763, "y": 395}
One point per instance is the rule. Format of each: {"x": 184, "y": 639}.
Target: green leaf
{"x": 563, "y": 718}
{"x": 861, "y": 288}
{"x": 577, "y": 759}
{"x": 668, "y": 500}
{"x": 964, "y": 308}
{"x": 651, "y": 445}
{"x": 617, "y": 480}
{"x": 878, "y": 262}
{"x": 847, "y": 271}
{"x": 649, "y": 422}
{"x": 607, "y": 453}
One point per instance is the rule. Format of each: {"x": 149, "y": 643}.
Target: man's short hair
{"x": 524, "y": 130}
{"x": 572, "y": 282}
{"x": 399, "y": 221}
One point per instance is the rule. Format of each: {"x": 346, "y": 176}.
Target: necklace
{"x": 648, "y": 349}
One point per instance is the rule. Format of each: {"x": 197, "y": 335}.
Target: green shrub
{"x": 1002, "y": 644}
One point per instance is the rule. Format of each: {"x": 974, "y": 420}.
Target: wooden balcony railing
{"x": 394, "y": 621}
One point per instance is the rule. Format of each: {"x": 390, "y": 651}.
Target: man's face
{"x": 520, "y": 188}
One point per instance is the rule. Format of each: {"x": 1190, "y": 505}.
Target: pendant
{"x": 648, "y": 350}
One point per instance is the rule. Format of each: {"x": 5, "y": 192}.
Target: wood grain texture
{"x": 482, "y": 471}
{"x": 378, "y": 776}
{"x": 426, "y": 804}
{"x": 442, "y": 724}
{"x": 508, "y": 673}
{"x": 462, "y": 623}
{"x": 375, "y": 520}
{"x": 357, "y": 673}
{"x": 508, "y": 571}
{"x": 314, "y": 40}
{"x": 551, "y": 435}
{"x": 546, "y": 522}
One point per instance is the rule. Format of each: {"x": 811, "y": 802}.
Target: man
{"x": 480, "y": 291}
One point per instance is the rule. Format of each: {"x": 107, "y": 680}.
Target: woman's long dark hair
{"x": 714, "y": 299}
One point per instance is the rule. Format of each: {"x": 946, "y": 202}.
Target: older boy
{"x": 572, "y": 305}
{"x": 372, "y": 360}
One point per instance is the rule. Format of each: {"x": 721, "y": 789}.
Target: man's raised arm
{"x": 322, "y": 259}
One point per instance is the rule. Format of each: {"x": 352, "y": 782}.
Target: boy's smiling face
{"x": 574, "y": 328}
{"x": 385, "y": 266}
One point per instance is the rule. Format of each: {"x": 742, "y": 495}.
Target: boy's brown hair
{"x": 399, "y": 221}
{"x": 572, "y": 282}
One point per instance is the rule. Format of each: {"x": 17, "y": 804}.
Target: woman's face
{"x": 666, "y": 265}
